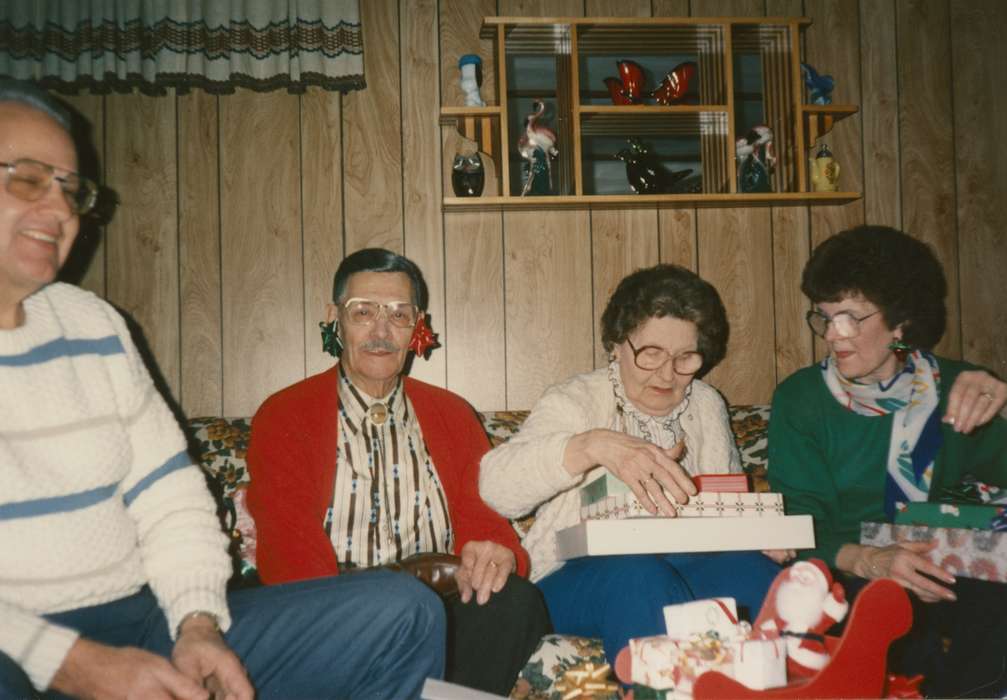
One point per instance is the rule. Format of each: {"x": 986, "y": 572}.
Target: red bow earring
{"x": 423, "y": 338}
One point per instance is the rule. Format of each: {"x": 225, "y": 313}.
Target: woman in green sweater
{"x": 883, "y": 420}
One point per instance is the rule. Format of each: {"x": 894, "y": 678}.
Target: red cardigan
{"x": 292, "y": 462}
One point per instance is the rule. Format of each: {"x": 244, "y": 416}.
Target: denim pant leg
{"x": 14, "y": 684}
{"x": 373, "y": 634}
{"x": 615, "y": 597}
{"x": 744, "y": 576}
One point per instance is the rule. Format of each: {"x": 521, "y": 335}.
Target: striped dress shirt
{"x": 388, "y": 502}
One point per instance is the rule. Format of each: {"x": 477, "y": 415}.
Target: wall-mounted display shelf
{"x": 746, "y": 73}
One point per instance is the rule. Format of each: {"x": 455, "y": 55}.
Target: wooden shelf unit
{"x": 574, "y": 47}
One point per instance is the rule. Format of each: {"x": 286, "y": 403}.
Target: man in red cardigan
{"x": 360, "y": 466}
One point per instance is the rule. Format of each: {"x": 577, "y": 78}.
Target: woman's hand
{"x": 651, "y": 472}
{"x": 975, "y": 397}
{"x": 905, "y": 562}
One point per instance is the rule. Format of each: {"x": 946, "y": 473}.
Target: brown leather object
{"x": 434, "y": 569}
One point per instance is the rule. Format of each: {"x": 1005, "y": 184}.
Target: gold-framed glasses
{"x": 846, "y": 324}
{"x": 652, "y": 357}
{"x": 364, "y": 312}
{"x": 29, "y": 180}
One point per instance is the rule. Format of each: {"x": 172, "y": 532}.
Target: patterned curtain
{"x": 217, "y": 45}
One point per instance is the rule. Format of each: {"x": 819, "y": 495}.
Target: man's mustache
{"x": 379, "y": 344}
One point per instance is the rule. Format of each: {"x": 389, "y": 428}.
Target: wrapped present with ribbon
{"x": 971, "y": 490}
{"x": 710, "y": 617}
{"x": 662, "y": 663}
{"x": 964, "y": 515}
{"x": 587, "y": 680}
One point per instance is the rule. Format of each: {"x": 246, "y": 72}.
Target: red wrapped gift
{"x": 725, "y": 483}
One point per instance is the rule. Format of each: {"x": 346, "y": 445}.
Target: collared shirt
{"x": 388, "y": 501}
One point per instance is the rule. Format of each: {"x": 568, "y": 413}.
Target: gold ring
{"x": 987, "y": 395}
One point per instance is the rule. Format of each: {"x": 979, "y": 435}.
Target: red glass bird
{"x": 675, "y": 84}
{"x": 627, "y": 89}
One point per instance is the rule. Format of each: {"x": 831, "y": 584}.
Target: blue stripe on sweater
{"x": 179, "y": 461}
{"x": 64, "y": 347}
{"x": 56, "y": 504}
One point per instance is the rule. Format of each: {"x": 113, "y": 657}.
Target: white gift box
{"x": 700, "y": 617}
{"x": 761, "y": 663}
{"x": 669, "y": 535}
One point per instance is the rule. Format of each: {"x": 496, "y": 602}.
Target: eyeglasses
{"x": 30, "y": 180}
{"x": 846, "y": 324}
{"x": 651, "y": 357}
{"x": 364, "y": 312}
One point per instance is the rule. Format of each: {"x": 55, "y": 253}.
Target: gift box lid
{"x": 964, "y": 515}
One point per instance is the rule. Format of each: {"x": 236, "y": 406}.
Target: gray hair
{"x": 31, "y": 95}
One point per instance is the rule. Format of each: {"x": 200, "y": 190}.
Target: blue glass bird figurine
{"x": 819, "y": 86}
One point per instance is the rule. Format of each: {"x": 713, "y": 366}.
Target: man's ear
{"x": 331, "y": 313}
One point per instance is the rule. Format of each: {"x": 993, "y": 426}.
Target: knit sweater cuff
{"x": 197, "y": 599}
{"x": 47, "y": 653}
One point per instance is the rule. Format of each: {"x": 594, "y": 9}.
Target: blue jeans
{"x": 620, "y": 597}
{"x": 374, "y": 634}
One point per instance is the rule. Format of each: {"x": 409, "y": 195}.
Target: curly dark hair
{"x": 667, "y": 290}
{"x": 894, "y": 271}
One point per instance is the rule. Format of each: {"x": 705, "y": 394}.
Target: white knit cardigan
{"x": 527, "y": 472}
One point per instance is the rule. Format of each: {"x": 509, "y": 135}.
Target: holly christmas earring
{"x": 900, "y": 349}
{"x": 423, "y": 338}
{"x": 330, "y": 338}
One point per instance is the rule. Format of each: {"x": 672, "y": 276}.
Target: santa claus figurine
{"x": 801, "y": 605}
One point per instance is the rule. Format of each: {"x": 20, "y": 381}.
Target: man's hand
{"x": 975, "y": 397}
{"x": 204, "y": 657}
{"x": 92, "y": 670}
{"x": 484, "y": 570}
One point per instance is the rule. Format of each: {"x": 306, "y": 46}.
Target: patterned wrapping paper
{"x": 663, "y": 663}
{"x": 980, "y": 554}
{"x": 706, "y": 504}
{"x": 660, "y": 664}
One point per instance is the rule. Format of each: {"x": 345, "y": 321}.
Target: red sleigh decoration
{"x": 880, "y": 615}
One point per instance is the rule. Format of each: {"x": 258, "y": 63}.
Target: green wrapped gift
{"x": 960, "y": 515}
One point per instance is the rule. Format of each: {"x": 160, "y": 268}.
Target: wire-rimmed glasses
{"x": 364, "y": 312}
{"x": 30, "y": 180}
{"x": 846, "y": 324}
{"x": 652, "y": 357}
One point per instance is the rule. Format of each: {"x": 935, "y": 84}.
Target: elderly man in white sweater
{"x": 113, "y": 566}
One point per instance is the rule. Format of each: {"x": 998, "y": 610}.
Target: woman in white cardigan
{"x": 651, "y": 423}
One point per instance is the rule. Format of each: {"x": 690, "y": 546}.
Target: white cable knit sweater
{"x": 527, "y": 472}
{"x": 97, "y": 494}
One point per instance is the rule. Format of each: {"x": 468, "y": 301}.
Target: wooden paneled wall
{"x": 235, "y": 210}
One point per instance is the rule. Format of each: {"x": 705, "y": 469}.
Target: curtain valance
{"x": 217, "y": 45}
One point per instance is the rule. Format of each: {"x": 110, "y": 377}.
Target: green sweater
{"x": 829, "y": 462}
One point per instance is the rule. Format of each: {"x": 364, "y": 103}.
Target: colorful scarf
{"x": 912, "y": 395}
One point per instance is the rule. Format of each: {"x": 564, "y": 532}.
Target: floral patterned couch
{"x": 221, "y": 444}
